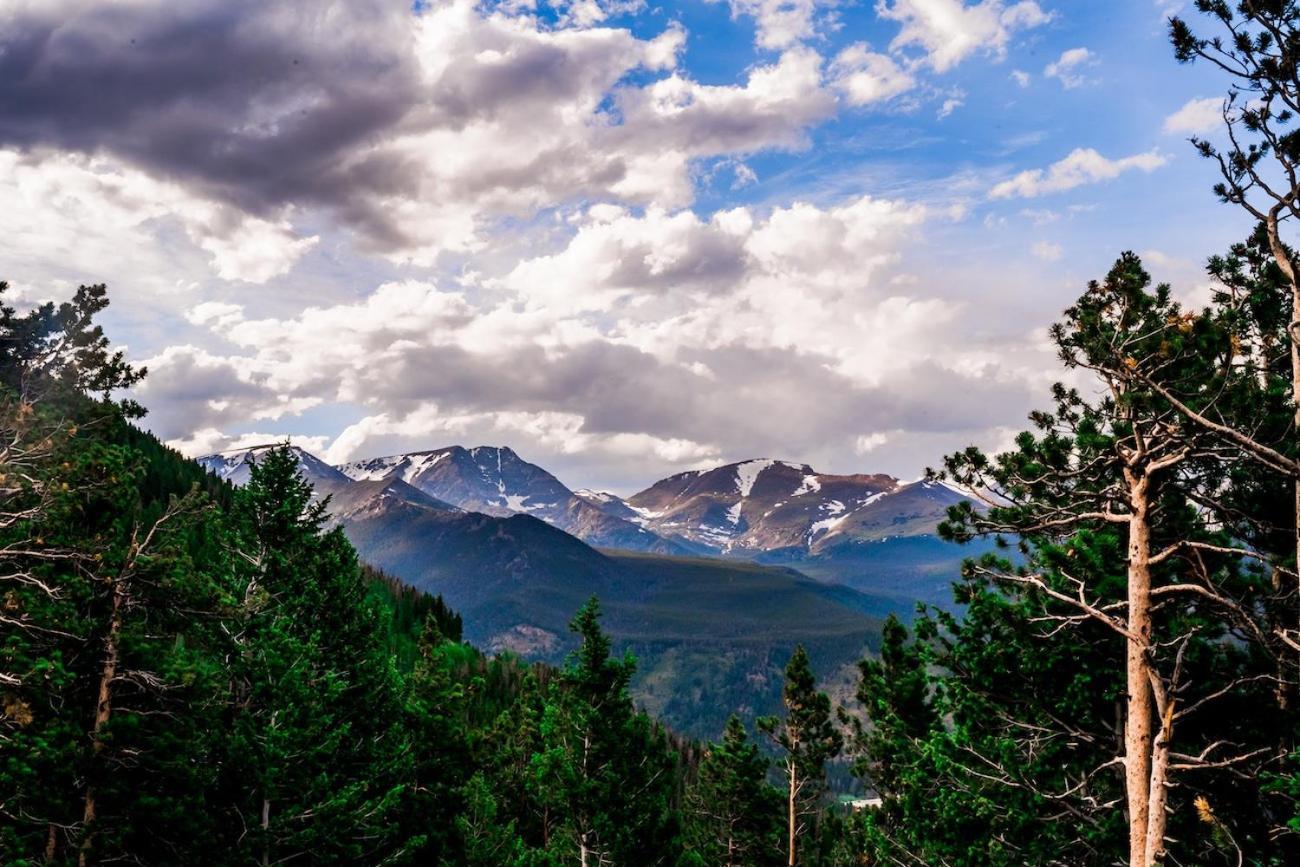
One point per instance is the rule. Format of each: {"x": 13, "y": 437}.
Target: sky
{"x": 624, "y": 238}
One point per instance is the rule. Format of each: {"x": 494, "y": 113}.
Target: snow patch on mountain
{"x": 810, "y": 484}
{"x": 234, "y": 466}
{"x": 748, "y": 473}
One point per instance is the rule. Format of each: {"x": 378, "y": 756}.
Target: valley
{"x": 711, "y": 607}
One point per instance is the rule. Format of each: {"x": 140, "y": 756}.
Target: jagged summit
{"x": 755, "y": 507}
{"x": 232, "y": 465}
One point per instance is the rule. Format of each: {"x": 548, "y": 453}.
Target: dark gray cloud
{"x": 257, "y": 104}
{"x": 413, "y": 129}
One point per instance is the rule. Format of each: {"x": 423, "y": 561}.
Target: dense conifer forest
{"x": 197, "y": 674}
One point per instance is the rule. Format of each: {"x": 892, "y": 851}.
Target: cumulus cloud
{"x": 659, "y": 339}
{"x": 210, "y": 440}
{"x": 1196, "y": 117}
{"x": 87, "y": 213}
{"x": 1068, "y": 68}
{"x": 948, "y": 31}
{"x": 780, "y": 23}
{"x": 1048, "y": 251}
{"x": 403, "y": 127}
{"x": 865, "y": 77}
{"x": 1082, "y": 166}
{"x": 597, "y": 317}
{"x": 868, "y": 443}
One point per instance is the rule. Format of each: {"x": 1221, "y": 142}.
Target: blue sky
{"x": 624, "y": 238}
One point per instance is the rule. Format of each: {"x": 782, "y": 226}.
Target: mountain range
{"x": 694, "y": 573}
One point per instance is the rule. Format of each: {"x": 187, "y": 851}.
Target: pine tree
{"x": 318, "y": 759}
{"x": 107, "y": 664}
{"x": 809, "y": 739}
{"x": 603, "y": 772}
{"x": 1117, "y": 502}
{"x": 735, "y": 813}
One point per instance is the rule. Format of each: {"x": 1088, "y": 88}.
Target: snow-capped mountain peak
{"x": 494, "y": 480}
{"x": 768, "y": 505}
{"x": 234, "y": 465}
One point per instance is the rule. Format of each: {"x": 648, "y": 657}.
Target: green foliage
{"x": 603, "y": 769}
{"x": 735, "y": 814}
{"x": 808, "y": 738}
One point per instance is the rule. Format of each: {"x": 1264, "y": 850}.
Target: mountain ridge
{"x": 710, "y": 634}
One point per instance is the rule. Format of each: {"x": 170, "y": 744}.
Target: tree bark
{"x": 1156, "y": 816}
{"x": 792, "y": 810}
{"x": 1138, "y": 716}
{"x": 1288, "y": 270}
{"x": 103, "y": 713}
{"x": 266, "y": 831}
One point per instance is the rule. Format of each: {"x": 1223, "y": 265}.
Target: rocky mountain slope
{"x": 776, "y": 509}
{"x": 496, "y": 481}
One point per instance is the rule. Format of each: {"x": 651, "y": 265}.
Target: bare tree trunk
{"x": 1138, "y": 719}
{"x": 51, "y": 843}
{"x": 1288, "y": 270}
{"x": 792, "y": 809}
{"x": 103, "y": 713}
{"x": 266, "y": 831}
{"x": 1156, "y": 816}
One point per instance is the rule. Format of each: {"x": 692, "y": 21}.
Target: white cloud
{"x": 865, "y": 77}
{"x": 1196, "y": 117}
{"x": 780, "y": 23}
{"x": 1068, "y": 68}
{"x": 210, "y": 440}
{"x": 1040, "y": 216}
{"x": 1020, "y": 77}
{"x": 89, "y": 214}
{"x": 1048, "y": 251}
{"x": 950, "y": 105}
{"x": 1081, "y": 166}
{"x": 555, "y": 432}
{"x": 406, "y": 128}
{"x": 948, "y": 31}
{"x": 870, "y": 442}
{"x": 642, "y": 344}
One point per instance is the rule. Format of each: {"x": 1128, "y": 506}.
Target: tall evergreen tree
{"x": 604, "y": 771}
{"x": 1256, "y": 45}
{"x": 808, "y": 738}
{"x": 1115, "y": 503}
{"x": 735, "y": 814}
{"x": 318, "y": 761}
{"x": 106, "y": 670}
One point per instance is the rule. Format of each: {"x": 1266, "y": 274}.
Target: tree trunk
{"x": 266, "y": 831}
{"x": 51, "y": 843}
{"x": 792, "y": 809}
{"x": 103, "y": 713}
{"x": 1288, "y": 270}
{"x": 1159, "y": 796}
{"x": 1138, "y": 718}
